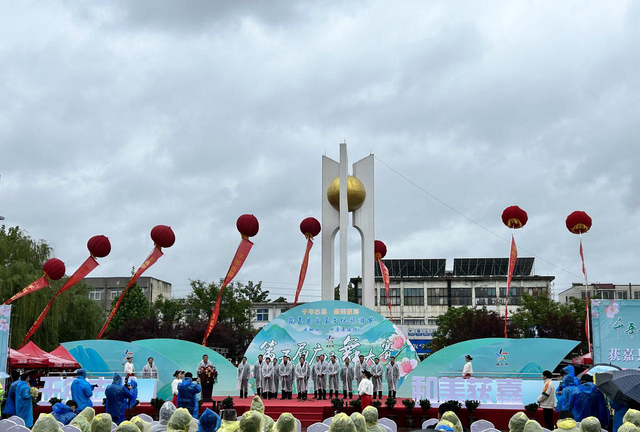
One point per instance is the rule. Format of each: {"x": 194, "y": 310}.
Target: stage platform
{"x": 312, "y": 411}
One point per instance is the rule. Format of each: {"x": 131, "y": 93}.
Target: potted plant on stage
{"x": 409, "y": 404}
{"x": 356, "y": 404}
{"x": 455, "y": 405}
{"x": 337, "y": 405}
{"x": 157, "y": 404}
{"x": 425, "y": 405}
{"x": 471, "y": 405}
{"x": 531, "y": 410}
{"x": 54, "y": 400}
{"x": 376, "y": 404}
{"x": 390, "y": 403}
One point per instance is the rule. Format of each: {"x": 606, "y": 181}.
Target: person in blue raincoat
{"x": 586, "y": 400}
{"x": 117, "y": 394}
{"x": 24, "y": 401}
{"x": 567, "y": 385}
{"x": 10, "y": 406}
{"x": 64, "y": 413}
{"x": 133, "y": 384}
{"x": 81, "y": 390}
{"x": 209, "y": 421}
{"x": 188, "y": 394}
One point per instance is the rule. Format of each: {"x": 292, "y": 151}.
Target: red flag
{"x": 154, "y": 256}
{"x": 238, "y": 260}
{"x": 385, "y": 277}
{"x": 303, "y": 270}
{"x": 513, "y": 258}
{"x": 32, "y": 287}
{"x": 586, "y": 307}
{"x": 86, "y": 268}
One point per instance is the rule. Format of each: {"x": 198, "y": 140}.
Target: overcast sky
{"x": 118, "y": 116}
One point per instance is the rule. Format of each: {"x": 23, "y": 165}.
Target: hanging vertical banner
{"x": 33, "y": 286}
{"x": 87, "y": 267}
{"x": 385, "y": 277}
{"x": 238, "y": 260}
{"x": 513, "y": 258}
{"x": 155, "y": 254}
{"x": 303, "y": 270}
{"x": 5, "y": 333}
{"x": 586, "y": 307}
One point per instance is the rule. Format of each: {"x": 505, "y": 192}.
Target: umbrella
{"x": 620, "y": 386}
{"x": 599, "y": 368}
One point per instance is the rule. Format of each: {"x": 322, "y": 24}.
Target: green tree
{"x": 463, "y": 323}
{"x": 134, "y": 305}
{"x": 351, "y": 293}
{"x": 280, "y": 300}
{"x": 253, "y": 292}
{"x": 73, "y": 315}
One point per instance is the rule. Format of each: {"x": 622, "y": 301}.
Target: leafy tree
{"x": 73, "y": 315}
{"x": 459, "y": 324}
{"x": 134, "y": 305}
{"x": 253, "y": 292}
{"x": 280, "y": 300}
{"x": 352, "y": 295}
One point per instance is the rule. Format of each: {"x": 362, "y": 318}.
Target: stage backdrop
{"x": 5, "y": 325}
{"x": 615, "y": 328}
{"x": 333, "y": 327}
{"x": 101, "y": 358}
{"x": 506, "y": 371}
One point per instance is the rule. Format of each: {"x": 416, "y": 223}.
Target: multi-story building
{"x": 420, "y": 290}
{"x": 105, "y": 289}
{"x": 601, "y": 291}
{"x": 263, "y": 313}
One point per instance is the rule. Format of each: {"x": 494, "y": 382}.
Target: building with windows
{"x": 263, "y": 313}
{"x": 421, "y": 290}
{"x": 601, "y": 291}
{"x": 105, "y": 289}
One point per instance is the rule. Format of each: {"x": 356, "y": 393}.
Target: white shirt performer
{"x": 333, "y": 370}
{"x": 285, "y": 371}
{"x": 302, "y": 376}
{"x": 257, "y": 375}
{"x": 150, "y": 370}
{"x": 360, "y": 367}
{"x": 268, "y": 384}
{"x": 467, "y": 370}
{"x": 365, "y": 389}
{"x": 346, "y": 376}
{"x": 129, "y": 370}
{"x": 314, "y": 378}
{"x": 321, "y": 377}
{"x": 392, "y": 374}
{"x": 376, "y": 377}
{"x": 244, "y": 373}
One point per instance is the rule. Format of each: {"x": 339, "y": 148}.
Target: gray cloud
{"x": 117, "y": 117}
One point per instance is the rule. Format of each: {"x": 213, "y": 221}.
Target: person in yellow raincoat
{"x": 370, "y": 415}
{"x": 532, "y": 426}
{"x": 286, "y": 423}
{"x": 127, "y": 426}
{"x": 251, "y": 422}
{"x": 628, "y": 427}
{"x": 342, "y": 423}
{"x": 46, "y": 423}
{"x": 142, "y": 425}
{"x": 359, "y": 422}
{"x": 632, "y": 416}
{"x": 230, "y": 421}
{"x": 451, "y": 417}
{"x": 258, "y": 405}
{"x": 101, "y": 423}
{"x": 180, "y": 421}
{"x": 517, "y": 422}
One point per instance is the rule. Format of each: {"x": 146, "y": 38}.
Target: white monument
{"x": 341, "y": 194}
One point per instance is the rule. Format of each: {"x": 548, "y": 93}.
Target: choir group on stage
{"x": 271, "y": 377}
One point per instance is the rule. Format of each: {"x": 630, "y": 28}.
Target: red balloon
{"x": 379, "y": 249}
{"x": 248, "y": 225}
{"x": 163, "y": 236}
{"x": 514, "y": 217}
{"x": 99, "y": 246}
{"x": 54, "y": 269}
{"x": 310, "y": 226}
{"x": 578, "y": 222}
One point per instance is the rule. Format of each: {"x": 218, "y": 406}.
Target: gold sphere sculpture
{"x": 355, "y": 193}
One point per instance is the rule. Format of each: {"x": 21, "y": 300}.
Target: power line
{"x": 471, "y": 220}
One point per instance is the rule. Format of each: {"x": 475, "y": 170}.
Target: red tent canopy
{"x": 61, "y": 352}
{"x": 33, "y": 351}
{"x": 582, "y": 360}
{"x": 19, "y": 360}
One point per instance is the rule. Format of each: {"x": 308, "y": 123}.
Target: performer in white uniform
{"x": 360, "y": 367}
{"x": 392, "y": 374}
{"x": 268, "y": 386}
{"x": 346, "y": 375}
{"x": 467, "y": 370}
{"x": 321, "y": 378}
{"x": 257, "y": 375}
{"x": 244, "y": 373}
{"x": 302, "y": 376}
{"x": 314, "y": 377}
{"x": 333, "y": 370}
{"x": 376, "y": 377}
{"x": 276, "y": 376}
{"x": 286, "y": 372}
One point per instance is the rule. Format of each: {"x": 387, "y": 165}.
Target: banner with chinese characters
{"x": 338, "y": 328}
{"x": 616, "y": 338}
{"x": 5, "y": 326}
{"x": 505, "y": 363}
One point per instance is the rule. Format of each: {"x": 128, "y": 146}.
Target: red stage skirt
{"x": 175, "y": 400}
{"x": 365, "y": 400}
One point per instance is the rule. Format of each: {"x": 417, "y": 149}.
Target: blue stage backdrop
{"x": 333, "y": 328}
{"x": 615, "y": 329}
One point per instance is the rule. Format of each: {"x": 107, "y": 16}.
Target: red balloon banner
{"x": 248, "y": 226}
{"x": 380, "y": 250}
{"x": 515, "y": 218}
{"x": 99, "y": 246}
{"x": 310, "y": 227}
{"x": 52, "y": 269}
{"x": 161, "y": 235}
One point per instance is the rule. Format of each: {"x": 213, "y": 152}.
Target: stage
{"x": 312, "y": 411}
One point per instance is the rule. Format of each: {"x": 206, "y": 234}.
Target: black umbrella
{"x": 620, "y": 386}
